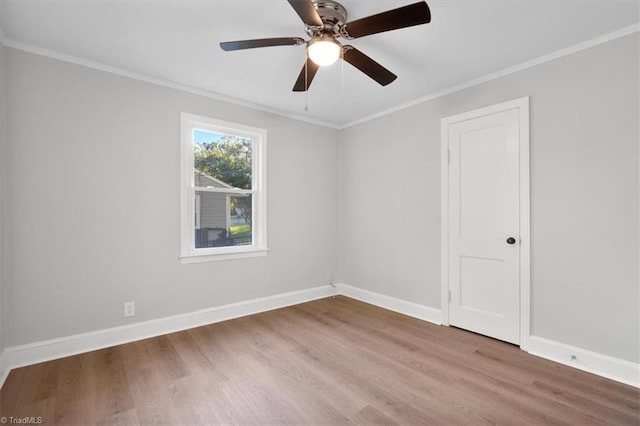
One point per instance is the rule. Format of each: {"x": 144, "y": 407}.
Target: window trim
{"x": 188, "y": 252}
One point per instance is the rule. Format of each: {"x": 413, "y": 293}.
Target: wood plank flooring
{"x": 328, "y": 362}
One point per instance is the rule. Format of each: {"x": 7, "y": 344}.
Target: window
{"x": 223, "y": 193}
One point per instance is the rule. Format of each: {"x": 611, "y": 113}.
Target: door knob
{"x": 511, "y": 240}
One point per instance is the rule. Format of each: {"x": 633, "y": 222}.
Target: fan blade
{"x": 307, "y": 12}
{"x": 402, "y": 17}
{"x": 305, "y": 78}
{"x": 368, "y": 65}
{"x": 261, "y": 42}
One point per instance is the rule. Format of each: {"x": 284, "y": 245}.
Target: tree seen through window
{"x": 224, "y": 161}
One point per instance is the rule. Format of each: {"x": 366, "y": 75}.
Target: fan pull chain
{"x": 342, "y": 71}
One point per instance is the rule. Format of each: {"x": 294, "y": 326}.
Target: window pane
{"x": 223, "y": 220}
{"x": 221, "y": 161}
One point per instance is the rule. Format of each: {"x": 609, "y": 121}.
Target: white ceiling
{"x": 177, "y": 41}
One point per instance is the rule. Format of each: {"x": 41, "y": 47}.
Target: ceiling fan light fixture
{"x": 324, "y": 51}
{"x": 325, "y": 21}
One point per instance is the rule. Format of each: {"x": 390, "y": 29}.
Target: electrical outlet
{"x": 129, "y": 309}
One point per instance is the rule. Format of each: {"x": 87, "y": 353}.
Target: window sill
{"x": 213, "y": 257}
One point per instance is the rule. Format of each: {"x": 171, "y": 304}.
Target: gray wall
{"x": 2, "y": 195}
{"x": 584, "y": 195}
{"x": 90, "y": 154}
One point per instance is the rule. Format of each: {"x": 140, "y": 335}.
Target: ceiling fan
{"x": 325, "y": 22}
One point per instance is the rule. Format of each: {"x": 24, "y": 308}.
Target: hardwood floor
{"x": 331, "y": 361}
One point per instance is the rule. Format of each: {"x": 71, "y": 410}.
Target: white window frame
{"x": 258, "y": 191}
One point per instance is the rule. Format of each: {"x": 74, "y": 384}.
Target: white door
{"x": 484, "y": 224}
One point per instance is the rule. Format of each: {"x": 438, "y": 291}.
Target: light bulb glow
{"x": 324, "y": 51}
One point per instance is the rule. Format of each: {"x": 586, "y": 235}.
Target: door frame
{"x": 522, "y": 104}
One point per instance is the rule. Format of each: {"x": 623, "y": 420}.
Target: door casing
{"x": 522, "y": 104}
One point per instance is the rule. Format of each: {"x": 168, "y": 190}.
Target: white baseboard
{"x": 411, "y": 309}
{"x": 32, "y": 353}
{"x": 19, "y": 356}
{"x": 602, "y": 365}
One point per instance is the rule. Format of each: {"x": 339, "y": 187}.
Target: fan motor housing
{"x": 333, "y": 15}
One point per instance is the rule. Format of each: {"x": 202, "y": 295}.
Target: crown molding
{"x": 504, "y": 72}
{"x": 8, "y": 42}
